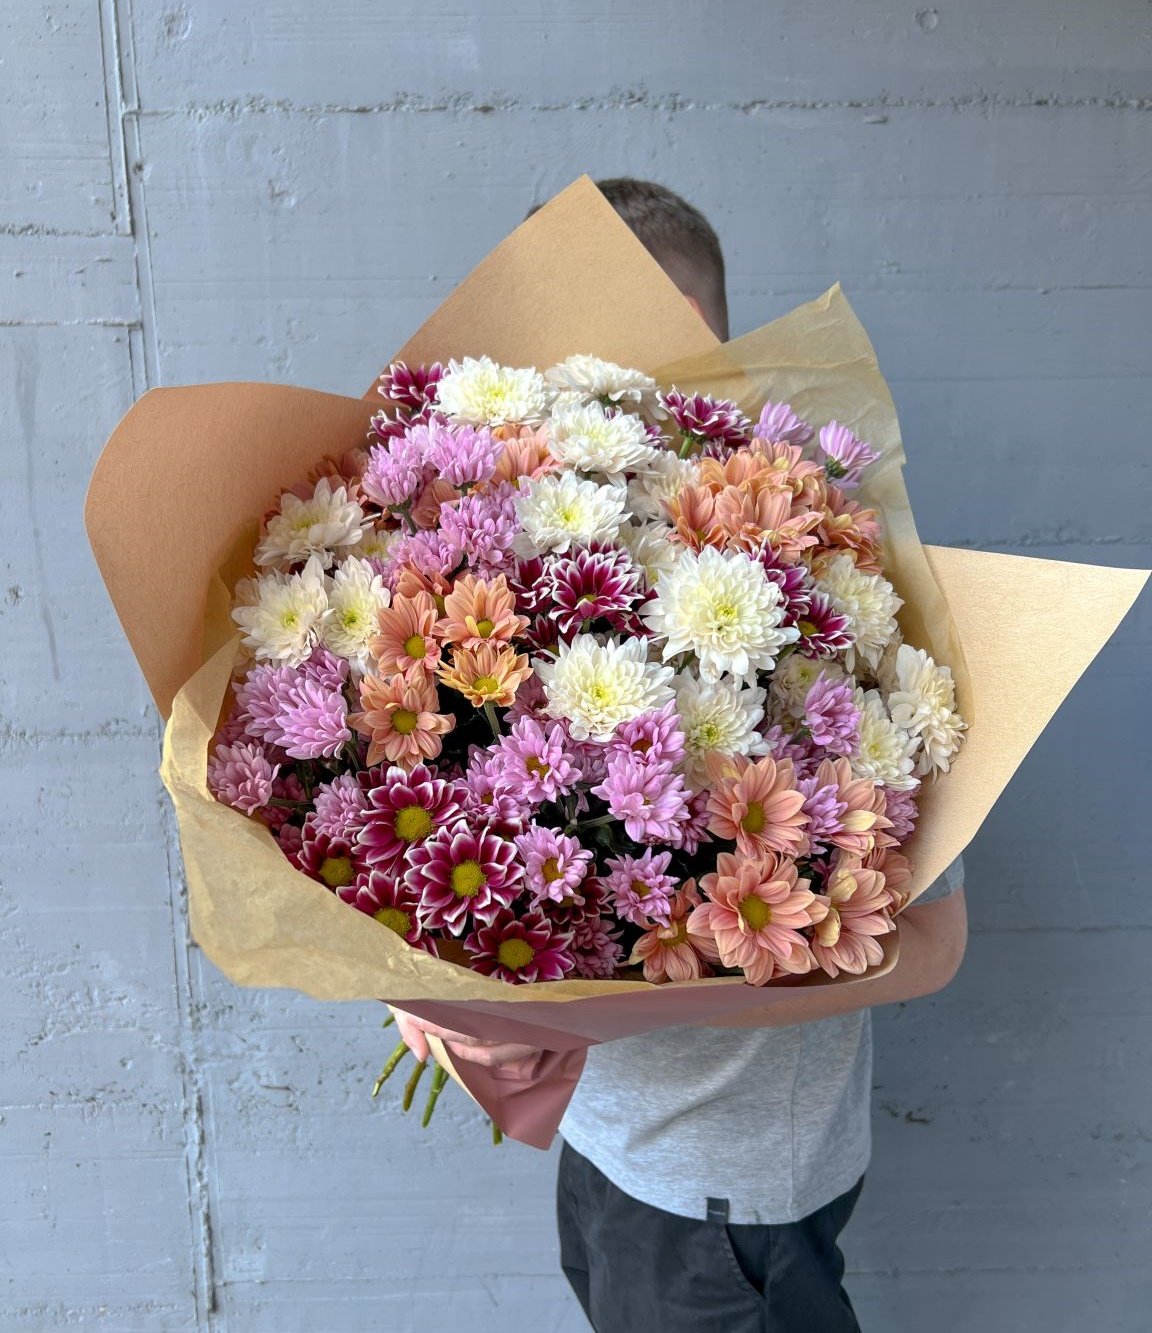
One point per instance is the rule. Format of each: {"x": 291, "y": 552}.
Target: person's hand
{"x": 516, "y": 1059}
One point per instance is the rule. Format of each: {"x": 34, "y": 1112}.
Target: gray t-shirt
{"x": 741, "y": 1124}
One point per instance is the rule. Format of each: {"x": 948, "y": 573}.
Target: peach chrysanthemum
{"x": 478, "y": 612}
{"x": 757, "y": 804}
{"x": 756, "y": 909}
{"x": 426, "y": 509}
{"x": 489, "y": 674}
{"x": 667, "y": 952}
{"x": 748, "y": 519}
{"x": 859, "y": 907}
{"x": 897, "y": 872}
{"x": 693, "y": 515}
{"x": 525, "y": 454}
{"x": 406, "y": 636}
{"x": 410, "y": 580}
{"x": 788, "y": 467}
{"x": 845, "y": 525}
{"x": 400, "y": 719}
{"x": 863, "y": 825}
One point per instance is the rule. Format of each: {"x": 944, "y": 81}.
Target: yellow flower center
{"x": 726, "y": 613}
{"x": 404, "y": 721}
{"x": 412, "y": 823}
{"x": 394, "y": 919}
{"x": 337, "y": 871}
{"x": 484, "y": 627}
{"x": 414, "y": 646}
{"x": 708, "y": 736}
{"x": 675, "y": 935}
{"x": 640, "y": 889}
{"x": 756, "y": 912}
{"x": 536, "y": 765}
{"x": 515, "y": 954}
{"x": 550, "y": 871}
{"x": 753, "y": 821}
{"x": 806, "y": 628}
{"x": 467, "y": 879}
{"x": 289, "y": 619}
{"x": 486, "y": 685}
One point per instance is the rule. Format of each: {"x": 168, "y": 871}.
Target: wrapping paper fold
{"x": 201, "y": 464}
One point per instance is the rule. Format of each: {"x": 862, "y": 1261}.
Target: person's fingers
{"x": 412, "y": 1034}
{"x": 445, "y": 1034}
{"x": 505, "y": 1055}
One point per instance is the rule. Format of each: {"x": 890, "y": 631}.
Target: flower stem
{"x": 493, "y": 720}
{"x": 390, "y": 1068}
{"x": 497, "y": 1134}
{"x": 439, "y": 1078}
{"x": 413, "y": 1080}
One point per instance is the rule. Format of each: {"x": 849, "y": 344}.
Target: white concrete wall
{"x": 198, "y": 189}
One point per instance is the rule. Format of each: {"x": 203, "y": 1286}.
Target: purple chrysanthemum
{"x": 428, "y": 551}
{"x": 823, "y": 632}
{"x": 311, "y": 722}
{"x": 290, "y": 838}
{"x": 824, "y": 808}
{"x": 845, "y": 456}
{"x": 531, "y": 701}
{"x": 640, "y": 889}
{"x": 587, "y": 585}
{"x": 654, "y": 736}
{"x": 403, "y": 810}
{"x": 461, "y": 455}
{"x": 531, "y": 762}
{"x": 484, "y": 528}
{"x": 486, "y": 802}
{"x": 333, "y": 862}
{"x": 596, "y": 949}
{"x": 902, "y": 808}
{"x": 395, "y": 471}
{"x": 520, "y": 949}
{"x": 339, "y": 806}
{"x": 411, "y": 388}
{"x": 710, "y": 420}
{"x": 387, "y": 899}
{"x": 554, "y": 864}
{"x": 831, "y": 715}
{"x": 650, "y": 798}
{"x": 694, "y": 829}
{"x": 799, "y": 749}
{"x": 242, "y": 776}
{"x": 462, "y": 875}
{"x": 779, "y": 424}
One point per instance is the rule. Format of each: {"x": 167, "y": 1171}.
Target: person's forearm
{"x": 932, "y": 940}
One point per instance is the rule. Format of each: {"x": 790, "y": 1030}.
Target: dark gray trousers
{"x": 638, "y": 1269}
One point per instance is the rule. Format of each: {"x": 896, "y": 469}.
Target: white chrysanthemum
{"x": 375, "y": 543}
{"x": 481, "y": 393}
{"x": 717, "y": 717}
{"x": 587, "y": 379}
{"x": 325, "y": 525}
{"x": 924, "y": 704}
{"x": 597, "y": 686}
{"x": 286, "y": 614}
{"x": 720, "y": 606}
{"x": 650, "y": 549}
{"x": 870, "y": 603}
{"x": 356, "y": 596}
{"x": 886, "y": 751}
{"x": 664, "y": 479}
{"x": 796, "y": 675}
{"x": 590, "y": 439}
{"x": 560, "y": 510}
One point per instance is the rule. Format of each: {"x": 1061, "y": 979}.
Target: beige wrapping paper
{"x": 201, "y": 464}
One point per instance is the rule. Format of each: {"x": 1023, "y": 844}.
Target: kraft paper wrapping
{"x": 200, "y": 464}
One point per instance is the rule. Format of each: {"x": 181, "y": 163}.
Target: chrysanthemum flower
{"x": 325, "y": 525}
{"x": 334, "y": 862}
{"x": 868, "y": 600}
{"x": 597, "y": 686}
{"x": 356, "y": 596}
{"x": 654, "y": 736}
{"x": 461, "y": 455}
{"x": 718, "y": 717}
{"x": 756, "y": 910}
{"x": 477, "y": 612}
{"x": 662, "y": 480}
{"x": 525, "y": 453}
{"x": 849, "y": 527}
{"x": 411, "y": 388}
{"x": 897, "y": 872}
{"x": 858, "y": 911}
{"x": 706, "y": 419}
{"x": 924, "y": 705}
{"x": 484, "y": 527}
{"x": 405, "y": 637}
{"x": 596, "y": 950}
{"x": 400, "y": 717}
{"x": 403, "y": 810}
{"x": 311, "y": 721}
{"x": 589, "y": 438}
{"x": 533, "y": 763}
{"x": 720, "y": 606}
{"x": 901, "y": 807}
{"x": 283, "y": 615}
{"x": 750, "y": 518}
{"x": 554, "y": 863}
{"x": 667, "y": 952}
{"x": 435, "y": 494}
{"x": 756, "y": 803}
{"x": 241, "y": 775}
{"x": 863, "y": 825}
{"x": 486, "y": 801}
{"x": 692, "y": 512}
{"x": 649, "y": 797}
{"x": 527, "y": 948}
{"x": 779, "y": 422}
{"x": 845, "y": 456}
{"x": 793, "y": 580}
{"x": 561, "y": 510}
{"x": 588, "y": 585}
{"x": 480, "y": 393}
{"x": 395, "y": 471}
{"x": 491, "y": 673}
{"x": 339, "y": 807}
{"x": 831, "y": 715}
{"x": 884, "y": 752}
{"x": 640, "y": 887}
{"x": 462, "y": 874}
{"x": 586, "y": 379}
{"x": 388, "y": 899}
{"x": 651, "y": 550}
{"x": 824, "y": 632}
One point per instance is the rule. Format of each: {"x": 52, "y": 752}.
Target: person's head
{"x": 680, "y": 239}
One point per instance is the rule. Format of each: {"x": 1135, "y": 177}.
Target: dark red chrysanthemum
{"x": 701, "y": 417}
{"x": 403, "y": 810}
{"x": 387, "y": 899}
{"x": 793, "y": 580}
{"x": 823, "y": 633}
{"x": 588, "y": 585}
{"x": 520, "y": 949}
{"x": 411, "y": 388}
{"x": 333, "y": 862}
{"x": 461, "y": 875}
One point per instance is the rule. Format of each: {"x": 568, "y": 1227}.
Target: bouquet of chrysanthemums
{"x": 634, "y": 684}
{"x": 562, "y": 673}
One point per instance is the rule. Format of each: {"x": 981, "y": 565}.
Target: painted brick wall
{"x": 202, "y": 190}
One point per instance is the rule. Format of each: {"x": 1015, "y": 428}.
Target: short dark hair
{"x": 679, "y": 237}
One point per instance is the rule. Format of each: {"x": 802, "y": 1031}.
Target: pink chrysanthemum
{"x": 461, "y": 455}
{"x": 333, "y": 862}
{"x": 531, "y": 701}
{"x": 339, "y": 807}
{"x": 864, "y": 826}
{"x": 463, "y": 874}
{"x": 241, "y": 775}
{"x": 486, "y": 801}
{"x": 694, "y": 830}
{"x": 403, "y": 810}
{"x": 532, "y": 762}
{"x": 650, "y": 798}
{"x": 825, "y": 811}
{"x": 484, "y": 527}
{"x": 858, "y": 912}
{"x": 823, "y": 633}
{"x": 290, "y": 838}
{"x": 845, "y": 456}
{"x": 586, "y": 585}
{"x": 311, "y": 722}
{"x": 387, "y": 899}
{"x": 756, "y": 804}
{"x": 520, "y": 949}
{"x": 756, "y": 910}
{"x": 596, "y": 949}
{"x": 831, "y": 715}
{"x": 395, "y": 471}
{"x": 667, "y": 952}
{"x": 654, "y": 736}
{"x": 710, "y": 420}
{"x": 640, "y": 889}
{"x": 778, "y": 422}
{"x": 432, "y": 553}
{"x": 554, "y": 864}
{"x": 796, "y": 748}
{"x": 902, "y": 809}
{"x": 411, "y": 388}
